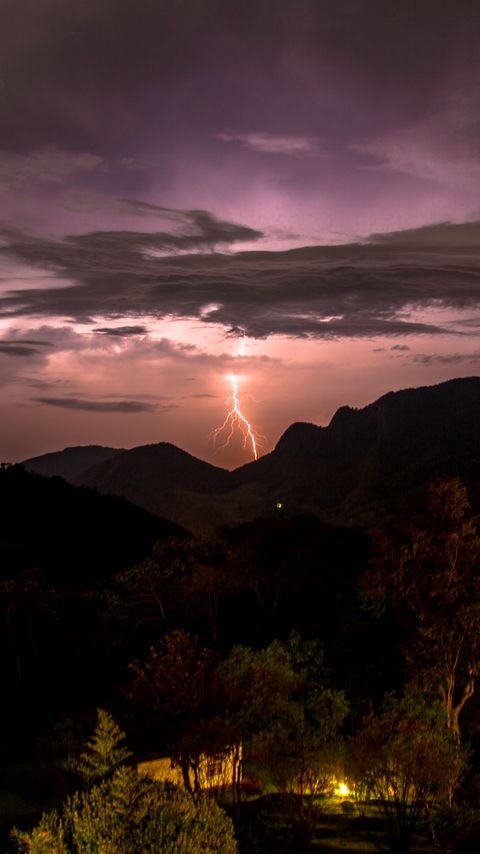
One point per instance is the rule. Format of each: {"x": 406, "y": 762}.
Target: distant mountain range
{"x": 71, "y": 461}
{"x": 359, "y": 470}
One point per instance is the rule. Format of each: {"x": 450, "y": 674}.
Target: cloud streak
{"x": 447, "y": 358}
{"x": 270, "y": 143}
{"x": 15, "y": 348}
{"x": 47, "y": 165}
{"x": 124, "y": 406}
{"x": 120, "y": 331}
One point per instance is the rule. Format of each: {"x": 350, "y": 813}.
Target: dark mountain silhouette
{"x": 70, "y": 461}
{"x": 358, "y": 470}
{"x": 67, "y": 534}
{"x": 161, "y": 478}
{"x": 367, "y": 462}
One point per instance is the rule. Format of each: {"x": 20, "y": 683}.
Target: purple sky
{"x": 178, "y": 176}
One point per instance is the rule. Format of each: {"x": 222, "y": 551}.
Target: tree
{"x": 122, "y": 812}
{"x": 275, "y": 702}
{"x": 151, "y": 588}
{"x": 409, "y": 762}
{"x": 129, "y": 813}
{"x": 429, "y": 574}
{"x": 170, "y": 696}
{"x": 210, "y": 581}
{"x": 252, "y": 693}
{"x": 102, "y": 754}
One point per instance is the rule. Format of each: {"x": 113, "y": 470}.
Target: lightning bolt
{"x": 235, "y": 419}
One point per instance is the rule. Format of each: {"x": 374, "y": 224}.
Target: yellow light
{"x": 343, "y": 790}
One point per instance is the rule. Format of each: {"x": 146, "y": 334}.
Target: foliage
{"x": 127, "y": 814}
{"x": 430, "y": 576}
{"x": 188, "y": 570}
{"x": 58, "y": 546}
{"x": 102, "y": 754}
{"x": 170, "y": 696}
{"x": 300, "y": 747}
{"x": 271, "y": 705}
{"x": 58, "y": 752}
{"x": 457, "y": 830}
{"x": 46, "y": 519}
{"x": 408, "y": 761}
{"x": 275, "y": 703}
{"x": 150, "y": 587}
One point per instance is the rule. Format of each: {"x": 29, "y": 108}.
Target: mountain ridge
{"x": 70, "y": 461}
{"x": 356, "y": 470}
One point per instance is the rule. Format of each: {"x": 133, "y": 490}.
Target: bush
{"x": 129, "y": 813}
{"x": 457, "y": 830}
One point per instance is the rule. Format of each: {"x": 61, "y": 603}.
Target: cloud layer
{"x": 356, "y": 290}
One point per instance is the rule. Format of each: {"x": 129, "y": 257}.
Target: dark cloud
{"x": 30, "y": 341}
{"x": 106, "y": 63}
{"x": 203, "y": 395}
{"x": 447, "y": 358}
{"x": 357, "y": 290}
{"x": 17, "y": 350}
{"x": 196, "y": 230}
{"x": 444, "y": 237}
{"x": 124, "y": 406}
{"x": 22, "y": 346}
{"x": 121, "y": 331}
{"x": 400, "y": 347}
{"x": 45, "y": 385}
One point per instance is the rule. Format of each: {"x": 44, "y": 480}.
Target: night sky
{"x": 184, "y": 181}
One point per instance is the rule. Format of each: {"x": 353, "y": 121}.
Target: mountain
{"x": 358, "y": 470}
{"x": 70, "y": 461}
{"x": 70, "y": 535}
{"x": 163, "y": 479}
{"x": 367, "y": 462}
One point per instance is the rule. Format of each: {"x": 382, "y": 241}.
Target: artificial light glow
{"x": 342, "y": 790}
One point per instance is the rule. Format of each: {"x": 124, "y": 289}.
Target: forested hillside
{"x": 323, "y": 651}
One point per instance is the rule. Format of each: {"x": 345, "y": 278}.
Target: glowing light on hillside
{"x": 342, "y": 790}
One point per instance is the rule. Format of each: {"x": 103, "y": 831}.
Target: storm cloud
{"x": 352, "y": 290}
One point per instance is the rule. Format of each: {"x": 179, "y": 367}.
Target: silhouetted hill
{"x": 70, "y": 534}
{"x": 158, "y": 477}
{"x": 367, "y": 462}
{"x": 358, "y": 470}
{"x": 70, "y": 461}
